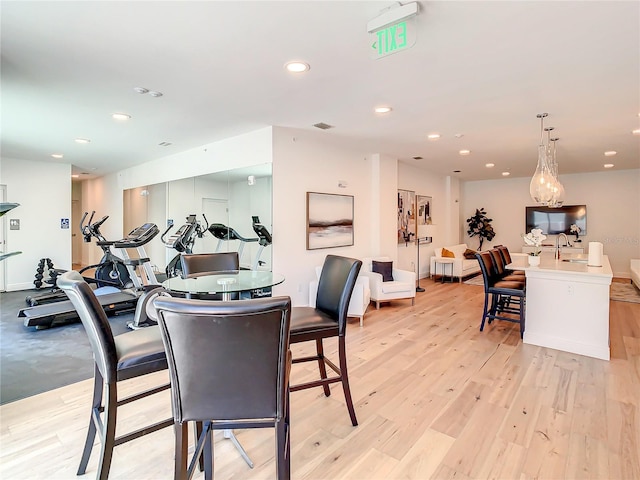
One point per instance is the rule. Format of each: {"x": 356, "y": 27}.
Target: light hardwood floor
{"x": 435, "y": 398}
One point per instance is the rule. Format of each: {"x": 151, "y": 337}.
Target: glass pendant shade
{"x": 545, "y": 187}
{"x": 540, "y": 186}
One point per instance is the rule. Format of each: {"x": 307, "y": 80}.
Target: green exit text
{"x": 391, "y": 38}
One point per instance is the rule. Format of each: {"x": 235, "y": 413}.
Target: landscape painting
{"x": 329, "y": 220}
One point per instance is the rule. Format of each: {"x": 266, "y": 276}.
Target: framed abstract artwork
{"x": 406, "y": 216}
{"x": 424, "y": 209}
{"x": 329, "y": 220}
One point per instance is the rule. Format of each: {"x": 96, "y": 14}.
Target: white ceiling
{"x": 481, "y": 69}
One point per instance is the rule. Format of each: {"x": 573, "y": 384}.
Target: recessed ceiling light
{"x": 141, "y": 90}
{"x": 459, "y": 135}
{"x": 155, "y": 94}
{"x": 506, "y": 174}
{"x": 83, "y": 140}
{"x": 489, "y": 165}
{"x": 608, "y": 165}
{"x": 610, "y": 153}
{"x": 75, "y": 175}
{"x": 636, "y": 131}
{"x": 382, "y": 109}
{"x": 120, "y": 116}
{"x": 433, "y": 136}
{"x": 464, "y": 152}
{"x": 57, "y": 155}
{"x": 296, "y": 67}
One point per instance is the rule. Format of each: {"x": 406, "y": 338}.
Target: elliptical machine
{"x": 182, "y": 241}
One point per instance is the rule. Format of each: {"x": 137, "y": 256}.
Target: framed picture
{"x": 425, "y": 212}
{"x": 329, "y": 220}
{"x": 406, "y": 216}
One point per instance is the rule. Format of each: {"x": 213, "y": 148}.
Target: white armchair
{"x": 402, "y": 286}
{"x": 360, "y": 298}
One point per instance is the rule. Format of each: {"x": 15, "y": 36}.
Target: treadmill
{"x": 44, "y": 316}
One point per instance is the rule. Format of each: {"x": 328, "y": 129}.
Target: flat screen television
{"x": 553, "y": 221}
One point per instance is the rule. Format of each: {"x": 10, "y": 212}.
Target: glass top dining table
{"x": 224, "y": 282}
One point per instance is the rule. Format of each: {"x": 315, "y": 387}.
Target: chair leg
{"x": 322, "y": 367}
{"x": 283, "y": 446}
{"x": 208, "y": 454}
{"x": 362, "y": 320}
{"x": 522, "y": 317}
{"x": 96, "y": 403}
{"x": 108, "y": 434}
{"x": 181, "y": 450}
{"x": 342, "y": 352}
{"x": 413, "y": 301}
{"x": 484, "y": 310}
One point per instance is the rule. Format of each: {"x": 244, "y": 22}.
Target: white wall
{"x": 613, "y": 211}
{"x": 43, "y": 190}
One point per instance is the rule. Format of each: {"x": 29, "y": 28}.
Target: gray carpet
{"x": 35, "y": 361}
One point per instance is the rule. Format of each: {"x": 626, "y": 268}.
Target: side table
{"x": 443, "y": 262}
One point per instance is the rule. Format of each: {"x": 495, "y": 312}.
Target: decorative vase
{"x": 534, "y": 260}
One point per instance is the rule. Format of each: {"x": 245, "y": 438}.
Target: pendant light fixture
{"x": 545, "y": 187}
{"x": 538, "y": 188}
{"x": 558, "y": 194}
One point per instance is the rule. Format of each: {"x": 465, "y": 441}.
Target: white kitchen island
{"x": 567, "y": 304}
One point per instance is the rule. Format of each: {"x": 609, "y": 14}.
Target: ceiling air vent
{"x": 417, "y": 158}
{"x": 323, "y": 126}
{"x": 164, "y": 144}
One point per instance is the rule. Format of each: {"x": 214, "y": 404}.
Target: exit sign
{"x": 393, "y": 39}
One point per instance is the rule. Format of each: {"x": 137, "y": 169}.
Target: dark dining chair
{"x": 229, "y": 366}
{"x": 194, "y": 264}
{"x": 499, "y": 267}
{"x": 498, "y": 295}
{"x": 328, "y": 319}
{"x": 126, "y": 356}
{"x": 198, "y": 264}
{"x": 506, "y": 260}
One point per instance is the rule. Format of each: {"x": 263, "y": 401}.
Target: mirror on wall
{"x": 232, "y": 209}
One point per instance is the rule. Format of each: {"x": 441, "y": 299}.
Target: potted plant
{"x": 534, "y": 238}
{"x": 480, "y": 225}
{"x": 575, "y": 229}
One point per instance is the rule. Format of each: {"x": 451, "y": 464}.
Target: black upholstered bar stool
{"x": 328, "y": 319}
{"x": 129, "y": 355}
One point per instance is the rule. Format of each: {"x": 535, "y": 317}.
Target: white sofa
{"x": 635, "y": 272}
{"x": 402, "y": 286}
{"x": 360, "y": 298}
{"x": 462, "y": 267}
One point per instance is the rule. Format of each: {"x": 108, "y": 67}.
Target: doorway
{"x": 3, "y": 245}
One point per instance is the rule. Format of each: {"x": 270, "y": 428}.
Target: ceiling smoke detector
{"x": 323, "y": 126}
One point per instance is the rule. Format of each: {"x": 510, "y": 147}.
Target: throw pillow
{"x": 447, "y": 253}
{"x": 469, "y": 254}
{"x": 384, "y": 269}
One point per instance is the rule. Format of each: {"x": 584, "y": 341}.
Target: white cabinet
{"x": 529, "y": 249}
